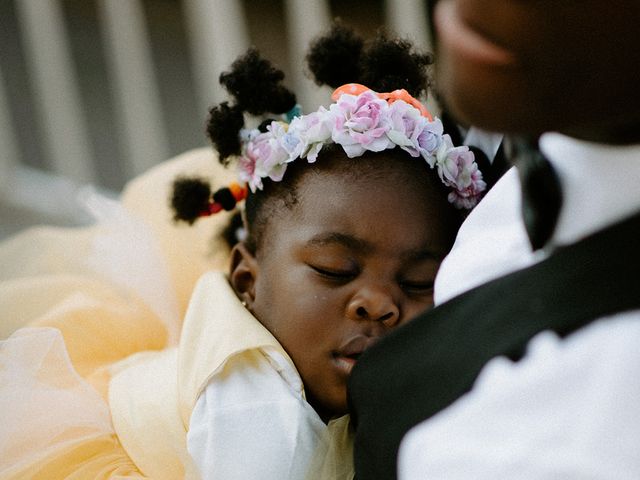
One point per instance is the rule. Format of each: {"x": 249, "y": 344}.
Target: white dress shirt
{"x": 569, "y": 409}
{"x": 250, "y": 419}
{"x": 252, "y": 410}
{"x": 488, "y": 142}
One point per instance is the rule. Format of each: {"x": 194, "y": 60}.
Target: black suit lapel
{"x": 425, "y": 366}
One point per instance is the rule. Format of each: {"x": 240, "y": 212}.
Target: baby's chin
{"x": 329, "y": 407}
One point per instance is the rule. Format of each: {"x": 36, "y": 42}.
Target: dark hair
{"x": 256, "y": 88}
{"x": 382, "y": 64}
{"x": 265, "y": 204}
{"x": 336, "y": 58}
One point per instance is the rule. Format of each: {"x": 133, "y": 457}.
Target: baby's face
{"x": 353, "y": 259}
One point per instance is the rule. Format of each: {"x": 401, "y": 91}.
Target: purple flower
{"x": 457, "y": 168}
{"x": 406, "y": 125}
{"x": 413, "y": 132}
{"x": 361, "y": 123}
{"x": 469, "y": 196}
{"x": 291, "y": 143}
{"x": 429, "y": 139}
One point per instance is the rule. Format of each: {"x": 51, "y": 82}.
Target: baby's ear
{"x": 243, "y": 274}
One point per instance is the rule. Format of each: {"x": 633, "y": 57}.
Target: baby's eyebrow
{"x": 422, "y": 254}
{"x": 349, "y": 241}
{"x": 362, "y": 246}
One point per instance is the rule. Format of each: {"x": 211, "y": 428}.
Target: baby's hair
{"x": 255, "y": 85}
{"x": 190, "y": 197}
{"x": 256, "y": 88}
{"x": 265, "y": 204}
{"x": 383, "y": 64}
{"x": 334, "y": 59}
{"x": 223, "y": 125}
{"x": 337, "y": 58}
{"x": 231, "y": 234}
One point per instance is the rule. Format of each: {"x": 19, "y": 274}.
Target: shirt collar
{"x": 488, "y": 142}
{"x": 217, "y": 327}
{"x": 599, "y": 184}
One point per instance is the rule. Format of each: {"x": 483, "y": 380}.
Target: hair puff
{"x": 223, "y": 125}
{"x": 383, "y": 64}
{"x": 334, "y": 58}
{"x": 392, "y": 63}
{"x": 190, "y": 198}
{"x": 256, "y": 85}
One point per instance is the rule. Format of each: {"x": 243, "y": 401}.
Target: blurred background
{"x": 98, "y": 91}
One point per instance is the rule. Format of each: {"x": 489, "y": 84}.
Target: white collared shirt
{"x": 250, "y": 422}
{"x": 599, "y": 186}
{"x": 250, "y": 418}
{"x": 488, "y": 142}
{"x": 569, "y": 409}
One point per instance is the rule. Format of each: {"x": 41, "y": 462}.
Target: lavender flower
{"x": 361, "y": 124}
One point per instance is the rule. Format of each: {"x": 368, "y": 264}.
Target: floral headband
{"x": 361, "y": 120}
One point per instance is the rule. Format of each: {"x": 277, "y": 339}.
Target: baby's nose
{"x": 374, "y": 303}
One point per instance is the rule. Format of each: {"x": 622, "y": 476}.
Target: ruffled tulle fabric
{"x": 74, "y": 302}
{"x": 55, "y": 425}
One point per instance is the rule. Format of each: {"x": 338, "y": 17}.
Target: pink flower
{"x": 406, "y": 124}
{"x": 361, "y": 123}
{"x": 457, "y": 168}
{"x": 247, "y": 172}
{"x": 413, "y": 132}
{"x": 469, "y": 196}
{"x": 264, "y": 156}
{"x": 429, "y": 139}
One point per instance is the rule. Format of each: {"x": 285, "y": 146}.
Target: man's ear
{"x": 243, "y": 274}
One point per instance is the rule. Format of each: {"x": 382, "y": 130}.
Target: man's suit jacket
{"x": 425, "y": 366}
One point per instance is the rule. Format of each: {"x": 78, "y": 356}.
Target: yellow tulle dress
{"x": 75, "y": 303}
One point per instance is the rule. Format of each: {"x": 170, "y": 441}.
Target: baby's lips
{"x": 356, "y": 345}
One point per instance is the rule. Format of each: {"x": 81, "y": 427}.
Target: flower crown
{"x": 362, "y": 120}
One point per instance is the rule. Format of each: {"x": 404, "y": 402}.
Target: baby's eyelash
{"x": 333, "y": 274}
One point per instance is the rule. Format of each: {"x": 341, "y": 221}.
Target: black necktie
{"x": 492, "y": 170}
{"x": 541, "y": 192}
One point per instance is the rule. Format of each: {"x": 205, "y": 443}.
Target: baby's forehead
{"x": 388, "y": 191}
{"x": 349, "y": 212}
{"x": 392, "y": 165}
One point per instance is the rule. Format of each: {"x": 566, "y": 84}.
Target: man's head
{"x": 529, "y": 66}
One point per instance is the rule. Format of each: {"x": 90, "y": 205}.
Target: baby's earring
{"x": 244, "y": 303}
